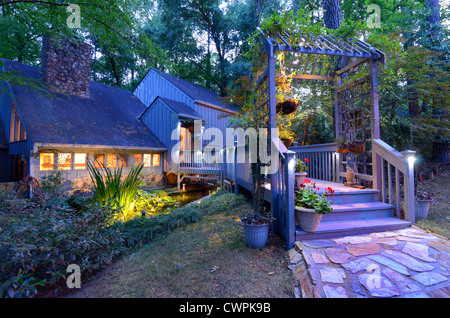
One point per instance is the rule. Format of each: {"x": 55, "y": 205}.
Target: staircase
{"x": 355, "y": 211}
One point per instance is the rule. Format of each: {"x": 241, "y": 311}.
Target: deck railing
{"x": 195, "y": 160}
{"x": 323, "y": 160}
{"x": 283, "y": 197}
{"x": 394, "y": 178}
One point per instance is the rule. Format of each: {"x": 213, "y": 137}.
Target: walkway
{"x": 406, "y": 263}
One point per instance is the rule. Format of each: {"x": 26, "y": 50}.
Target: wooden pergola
{"x": 332, "y": 59}
{"x": 350, "y": 67}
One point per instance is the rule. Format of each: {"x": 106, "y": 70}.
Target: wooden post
{"x": 289, "y": 199}
{"x": 273, "y": 124}
{"x": 376, "y": 159}
{"x": 410, "y": 206}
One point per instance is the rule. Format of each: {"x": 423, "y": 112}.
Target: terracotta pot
{"x": 299, "y": 177}
{"x": 308, "y": 219}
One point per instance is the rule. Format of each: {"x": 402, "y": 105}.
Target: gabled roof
{"x": 108, "y": 118}
{"x": 198, "y": 93}
{"x": 181, "y": 109}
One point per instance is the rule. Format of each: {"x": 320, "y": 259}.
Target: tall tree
{"x": 332, "y": 13}
{"x": 115, "y": 29}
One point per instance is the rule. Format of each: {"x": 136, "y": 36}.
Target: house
{"x": 174, "y": 103}
{"x": 78, "y": 120}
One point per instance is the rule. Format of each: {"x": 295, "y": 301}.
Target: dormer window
{"x": 17, "y": 130}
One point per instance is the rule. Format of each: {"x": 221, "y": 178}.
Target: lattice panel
{"x": 355, "y": 121}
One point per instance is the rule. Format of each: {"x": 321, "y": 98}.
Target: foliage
{"x": 152, "y": 203}
{"x": 38, "y": 242}
{"x": 423, "y": 195}
{"x": 300, "y": 165}
{"x": 51, "y": 183}
{"x": 308, "y": 198}
{"x": 121, "y": 46}
{"x": 112, "y": 188}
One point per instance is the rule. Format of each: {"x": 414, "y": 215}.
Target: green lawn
{"x": 438, "y": 219}
{"x": 205, "y": 259}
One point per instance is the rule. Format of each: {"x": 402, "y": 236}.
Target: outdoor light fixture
{"x": 143, "y": 213}
{"x": 409, "y": 156}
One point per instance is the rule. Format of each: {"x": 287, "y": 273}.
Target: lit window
{"x": 64, "y": 161}
{"x": 111, "y": 161}
{"x": 137, "y": 158}
{"x": 99, "y": 161}
{"x": 46, "y": 161}
{"x": 79, "y": 161}
{"x": 156, "y": 159}
{"x": 147, "y": 160}
{"x": 123, "y": 161}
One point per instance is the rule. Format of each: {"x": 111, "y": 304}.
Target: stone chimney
{"x": 66, "y": 65}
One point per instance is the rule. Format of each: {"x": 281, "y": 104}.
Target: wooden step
{"x": 360, "y": 196}
{"x": 355, "y": 227}
{"x": 359, "y": 211}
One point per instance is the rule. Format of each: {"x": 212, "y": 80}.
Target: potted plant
{"x": 300, "y": 171}
{"x": 349, "y": 146}
{"x": 310, "y": 206}
{"x": 256, "y": 229}
{"x": 423, "y": 202}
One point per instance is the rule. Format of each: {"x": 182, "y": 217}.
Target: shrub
{"x": 39, "y": 242}
{"x": 152, "y": 203}
{"x": 140, "y": 231}
{"x": 221, "y": 202}
{"x": 111, "y": 187}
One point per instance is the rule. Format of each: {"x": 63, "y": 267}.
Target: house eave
{"x": 41, "y": 145}
{"x": 215, "y": 107}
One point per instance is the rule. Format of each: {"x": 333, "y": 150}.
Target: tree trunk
{"x": 440, "y": 151}
{"x": 332, "y": 15}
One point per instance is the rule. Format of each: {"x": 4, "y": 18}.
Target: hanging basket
{"x": 287, "y": 107}
{"x": 287, "y": 142}
{"x": 352, "y": 148}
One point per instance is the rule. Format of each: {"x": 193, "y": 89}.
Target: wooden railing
{"x": 283, "y": 197}
{"x": 394, "y": 177}
{"x": 323, "y": 161}
{"x": 195, "y": 161}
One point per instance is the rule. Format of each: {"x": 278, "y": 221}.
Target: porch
{"x": 199, "y": 165}
{"x": 355, "y": 211}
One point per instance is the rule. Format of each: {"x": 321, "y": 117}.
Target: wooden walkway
{"x": 355, "y": 211}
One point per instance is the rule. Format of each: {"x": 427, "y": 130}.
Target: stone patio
{"x": 407, "y": 263}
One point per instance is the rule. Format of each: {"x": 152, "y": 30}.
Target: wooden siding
{"x": 154, "y": 85}
{"x": 162, "y": 120}
{"x": 6, "y": 102}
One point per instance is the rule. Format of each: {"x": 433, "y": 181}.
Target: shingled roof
{"x": 197, "y": 92}
{"x": 108, "y": 118}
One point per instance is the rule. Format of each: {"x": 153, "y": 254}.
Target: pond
{"x": 191, "y": 196}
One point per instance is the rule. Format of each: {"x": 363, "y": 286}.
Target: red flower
{"x": 318, "y": 188}
{"x": 307, "y": 180}
{"x": 306, "y": 160}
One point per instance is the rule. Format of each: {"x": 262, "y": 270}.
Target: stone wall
{"x": 79, "y": 180}
{"x": 66, "y": 65}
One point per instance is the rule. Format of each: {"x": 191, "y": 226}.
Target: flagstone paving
{"x": 408, "y": 263}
